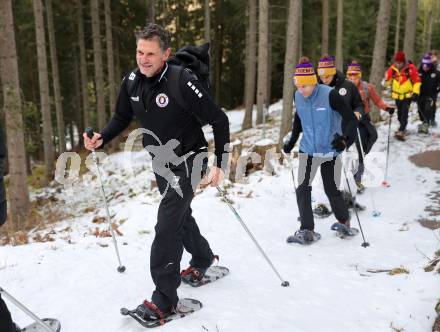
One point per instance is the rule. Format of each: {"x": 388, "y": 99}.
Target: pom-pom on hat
{"x": 427, "y": 59}
{"x": 304, "y": 73}
{"x": 326, "y": 66}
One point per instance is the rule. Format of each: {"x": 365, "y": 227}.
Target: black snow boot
{"x": 148, "y": 311}
{"x": 321, "y": 211}
{"x": 193, "y": 274}
{"x": 304, "y": 236}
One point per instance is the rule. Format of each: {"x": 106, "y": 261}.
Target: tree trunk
{"x": 118, "y": 74}
{"x": 78, "y": 115}
{"x": 291, "y": 56}
{"x": 83, "y": 66}
{"x": 44, "y": 89}
{"x": 56, "y": 79}
{"x": 251, "y": 51}
{"x": 71, "y": 133}
{"x": 234, "y": 167}
{"x": 300, "y": 30}
{"x": 151, "y": 11}
{"x": 99, "y": 75}
{"x": 207, "y": 22}
{"x": 263, "y": 54}
{"x": 380, "y": 50}
{"x": 269, "y": 59}
{"x": 18, "y": 189}
{"x": 218, "y": 50}
{"x": 110, "y": 55}
{"x": 410, "y": 28}
{"x": 397, "y": 36}
{"x": 178, "y": 21}
{"x": 428, "y": 30}
{"x": 325, "y": 15}
{"x": 429, "y": 33}
{"x": 339, "y": 62}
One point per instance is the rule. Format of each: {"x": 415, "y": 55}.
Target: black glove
{"x": 339, "y": 143}
{"x": 390, "y": 110}
{"x": 415, "y": 97}
{"x": 287, "y": 147}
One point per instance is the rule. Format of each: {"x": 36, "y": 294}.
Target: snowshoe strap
{"x": 194, "y": 272}
{"x": 186, "y": 271}
{"x": 190, "y": 271}
{"x": 154, "y": 308}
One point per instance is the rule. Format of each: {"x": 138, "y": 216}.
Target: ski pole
{"x": 26, "y": 311}
{"x": 375, "y": 212}
{"x": 385, "y": 182}
{"x": 289, "y": 160}
{"x": 121, "y": 268}
{"x": 364, "y": 244}
{"x": 284, "y": 283}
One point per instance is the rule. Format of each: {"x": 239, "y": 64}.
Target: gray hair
{"x": 155, "y": 31}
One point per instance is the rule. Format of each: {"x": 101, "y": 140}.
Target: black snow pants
{"x": 331, "y": 176}
{"x": 426, "y": 107}
{"x": 6, "y": 324}
{"x": 402, "y": 112}
{"x": 176, "y": 229}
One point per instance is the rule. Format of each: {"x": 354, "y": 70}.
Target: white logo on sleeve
{"x": 342, "y": 91}
{"x": 132, "y": 76}
{"x": 196, "y": 91}
{"x": 162, "y": 100}
{"x": 135, "y": 98}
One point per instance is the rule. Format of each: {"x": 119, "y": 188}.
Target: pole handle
{"x": 89, "y": 132}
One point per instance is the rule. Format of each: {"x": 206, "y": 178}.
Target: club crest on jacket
{"x": 162, "y": 100}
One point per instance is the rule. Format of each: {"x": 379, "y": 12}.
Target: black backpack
{"x": 193, "y": 59}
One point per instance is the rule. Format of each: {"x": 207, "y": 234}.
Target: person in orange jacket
{"x": 403, "y": 77}
{"x": 367, "y": 130}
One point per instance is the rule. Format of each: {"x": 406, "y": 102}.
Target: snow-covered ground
{"x": 74, "y": 278}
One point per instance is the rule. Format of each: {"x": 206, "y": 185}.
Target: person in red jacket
{"x": 403, "y": 77}
{"x": 367, "y": 130}
{"x": 367, "y": 91}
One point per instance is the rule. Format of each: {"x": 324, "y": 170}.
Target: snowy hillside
{"x": 333, "y": 284}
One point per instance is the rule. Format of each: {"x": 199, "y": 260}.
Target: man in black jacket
{"x": 429, "y": 89}
{"x": 173, "y": 134}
